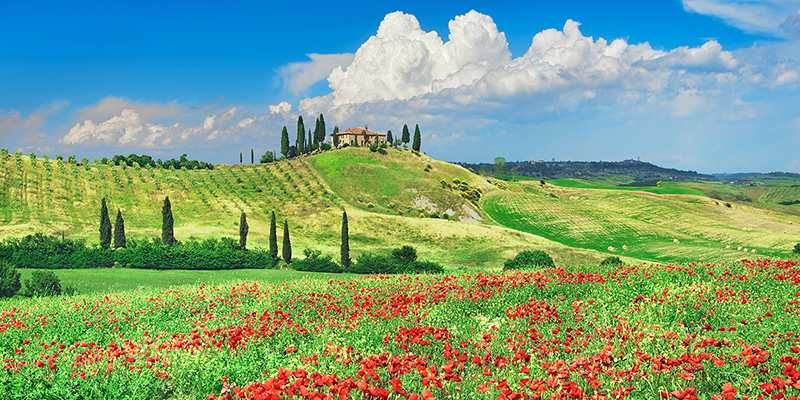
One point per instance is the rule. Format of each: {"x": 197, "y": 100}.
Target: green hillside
{"x": 62, "y": 197}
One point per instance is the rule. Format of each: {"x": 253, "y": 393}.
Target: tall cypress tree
{"x": 273, "y": 237}
{"x": 252, "y": 157}
{"x": 406, "y": 136}
{"x": 315, "y": 136}
{"x": 105, "y": 225}
{"x": 310, "y": 141}
{"x": 345, "y": 243}
{"x": 417, "y": 139}
{"x": 285, "y": 142}
{"x": 389, "y": 138}
{"x": 301, "y": 135}
{"x": 287, "y": 245}
{"x": 240, "y": 157}
{"x": 119, "y": 232}
{"x": 167, "y": 234}
{"x": 335, "y": 136}
{"x": 321, "y": 130}
{"x": 243, "y": 229}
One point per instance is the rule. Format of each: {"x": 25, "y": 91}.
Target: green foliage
{"x": 243, "y": 229}
{"x": 268, "y": 157}
{"x": 167, "y": 222}
{"x": 345, "y": 249}
{"x": 40, "y": 251}
{"x": 3, "y": 154}
{"x": 797, "y": 248}
{"x": 105, "y": 225}
{"x": 335, "y": 136}
{"x": 301, "y": 136}
{"x": 529, "y": 259}
{"x": 401, "y": 261}
{"x": 373, "y": 147}
{"x": 500, "y": 168}
{"x": 465, "y": 190}
{"x": 417, "y": 139}
{"x": 389, "y": 138}
{"x": 9, "y": 279}
{"x": 406, "y": 136}
{"x": 273, "y": 237}
{"x": 286, "y": 253}
{"x": 43, "y": 283}
{"x": 119, "y": 232}
{"x": 405, "y": 255}
{"x": 210, "y": 254}
{"x": 612, "y": 260}
{"x": 315, "y": 262}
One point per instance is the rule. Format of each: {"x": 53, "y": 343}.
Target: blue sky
{"x": 706, "y": 85}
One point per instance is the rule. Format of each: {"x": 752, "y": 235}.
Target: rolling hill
{"x": 392, "y": 199}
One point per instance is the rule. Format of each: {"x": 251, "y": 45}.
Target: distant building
{"x": 357, "y": 135}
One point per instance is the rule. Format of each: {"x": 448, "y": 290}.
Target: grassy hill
{"x": 390, "y": 199}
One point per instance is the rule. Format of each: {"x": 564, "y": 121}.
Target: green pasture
{"x": 662, "y": 188}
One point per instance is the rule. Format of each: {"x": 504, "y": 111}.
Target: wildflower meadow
{"x": 683, "y": 331}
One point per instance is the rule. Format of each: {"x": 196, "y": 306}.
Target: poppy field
{"x": 683, "y": 331}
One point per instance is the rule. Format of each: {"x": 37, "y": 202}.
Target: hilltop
{"x": 403, "y": 197}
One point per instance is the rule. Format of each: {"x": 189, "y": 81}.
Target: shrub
{"x": 9, "y": 279}
{"x": 424, "y": 267}
{"x": 369, "y": 263}
{"x": 529, "y": 259}
{"x": 405, "y": 255}
{"x": 613, "y": 260}
{"x": 315, "y": 262}
{"x": 797, "y": 248}
{"x": 43, "y": 283}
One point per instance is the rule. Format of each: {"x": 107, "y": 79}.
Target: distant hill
{"x": 772, "y": 178}
{"x": 628, "y": 172}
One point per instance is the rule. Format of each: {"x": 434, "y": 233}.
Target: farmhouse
{"x": 360, "y": 137}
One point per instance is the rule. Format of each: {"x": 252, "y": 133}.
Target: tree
{"x": 335, "y": 136}
{"x": 240, "y": 157}
{"x": 514, "y": 174}
{"x": 500, "y": 168}
{"x": 167, "y": 222}
{"x": 268, "y": 157}
{"x": 315, "y": 136}
{"x": 321, "y": 131}
{"x": 273, "y": 237}
{"x": 417, "y": 139}
{"x": 252, "y": 157}
{"x": 243, "y": 229}
{"x": 345, "y": 243}
{"x": 406, "y": 136}
{"x": 389, "y": 138}
{"x": 285, "y": 142}
{"x": 43, "y": 283}
{"x": 287, "y": 244}
{"x": 119, "y": 232}
{"x": 105, "y": 225}
{"x": 797, "y": 248}
{"x": 301, "y": 135}
{"x": 9, "y": 280}
{"x": 364, "y": 133}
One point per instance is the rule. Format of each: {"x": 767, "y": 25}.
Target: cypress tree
{"x": 252, "y": 157}
{"x": 285, "y": 142}
{"x": 345, "y": 243}
{"x": 243, "y": 229}
{"x": 240, "y": 157}
{"x": 105, "y": 225}
{"x": 310, "y": 142}
{"x": 301, "y": 135}
{"x": 321, "y": 129}
{"x": 315, "y": 136}
{"x": 406, "y": 136}
{"x": 389, "y": 138}
{"x": 273, "y": 237}
{"x": 287, "y": 245}
{"x": 335, "y": 137}
{"x": 119, "y": 232}
{"x": 167, "y": 235}
{"x": 417, "y": 139}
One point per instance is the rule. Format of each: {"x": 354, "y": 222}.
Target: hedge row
{"x": 49, "y": 252}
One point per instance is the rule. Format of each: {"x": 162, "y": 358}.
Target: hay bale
{"x": 728, "y": 247}
{"x": 624, "y": 247}
{"x": 754, "y": 251}
{"x": 740, "y": 248}
{"x": 676, "y": 241}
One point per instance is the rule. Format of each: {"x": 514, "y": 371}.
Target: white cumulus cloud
{"x": 281, "y": 108}
{"x": 300, "y": 76}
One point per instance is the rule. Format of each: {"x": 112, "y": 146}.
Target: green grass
{"x": 116, "y": 280}
{"x": 662, "y": 188}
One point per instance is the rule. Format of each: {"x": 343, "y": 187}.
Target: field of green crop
{"x": 646, "y": 223}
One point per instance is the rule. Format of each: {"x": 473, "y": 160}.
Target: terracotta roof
{"x": 358, "y": 131}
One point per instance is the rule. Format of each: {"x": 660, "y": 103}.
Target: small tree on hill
{"x": 105, "y": 225}
{"x": 406, "y": 136}
{"x": 389, "y": 138}
{"x": 119, "y": 232}
{"x": 321, "y": 130}
{"x": 301, "y": 135}
{"x": 500, "y": 168}
{"x": 285, "y": 142}
{"x": 345, "y": 251}
{"x": 273, "y": 237}
{"x": 417, "y": 139}
{"x": 252, "y": 157}
{"x": 335, "y": 136}
{"x": 240, "y": 157}
{"x": 287, "y": 244}
{"x": 167, "y": 222}
{"x": 243, "y": 229}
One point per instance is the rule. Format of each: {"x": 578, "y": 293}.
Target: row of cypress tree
{"x": 105, "y": 228}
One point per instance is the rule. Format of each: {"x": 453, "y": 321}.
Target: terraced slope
{"x": 647, "y": 223}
